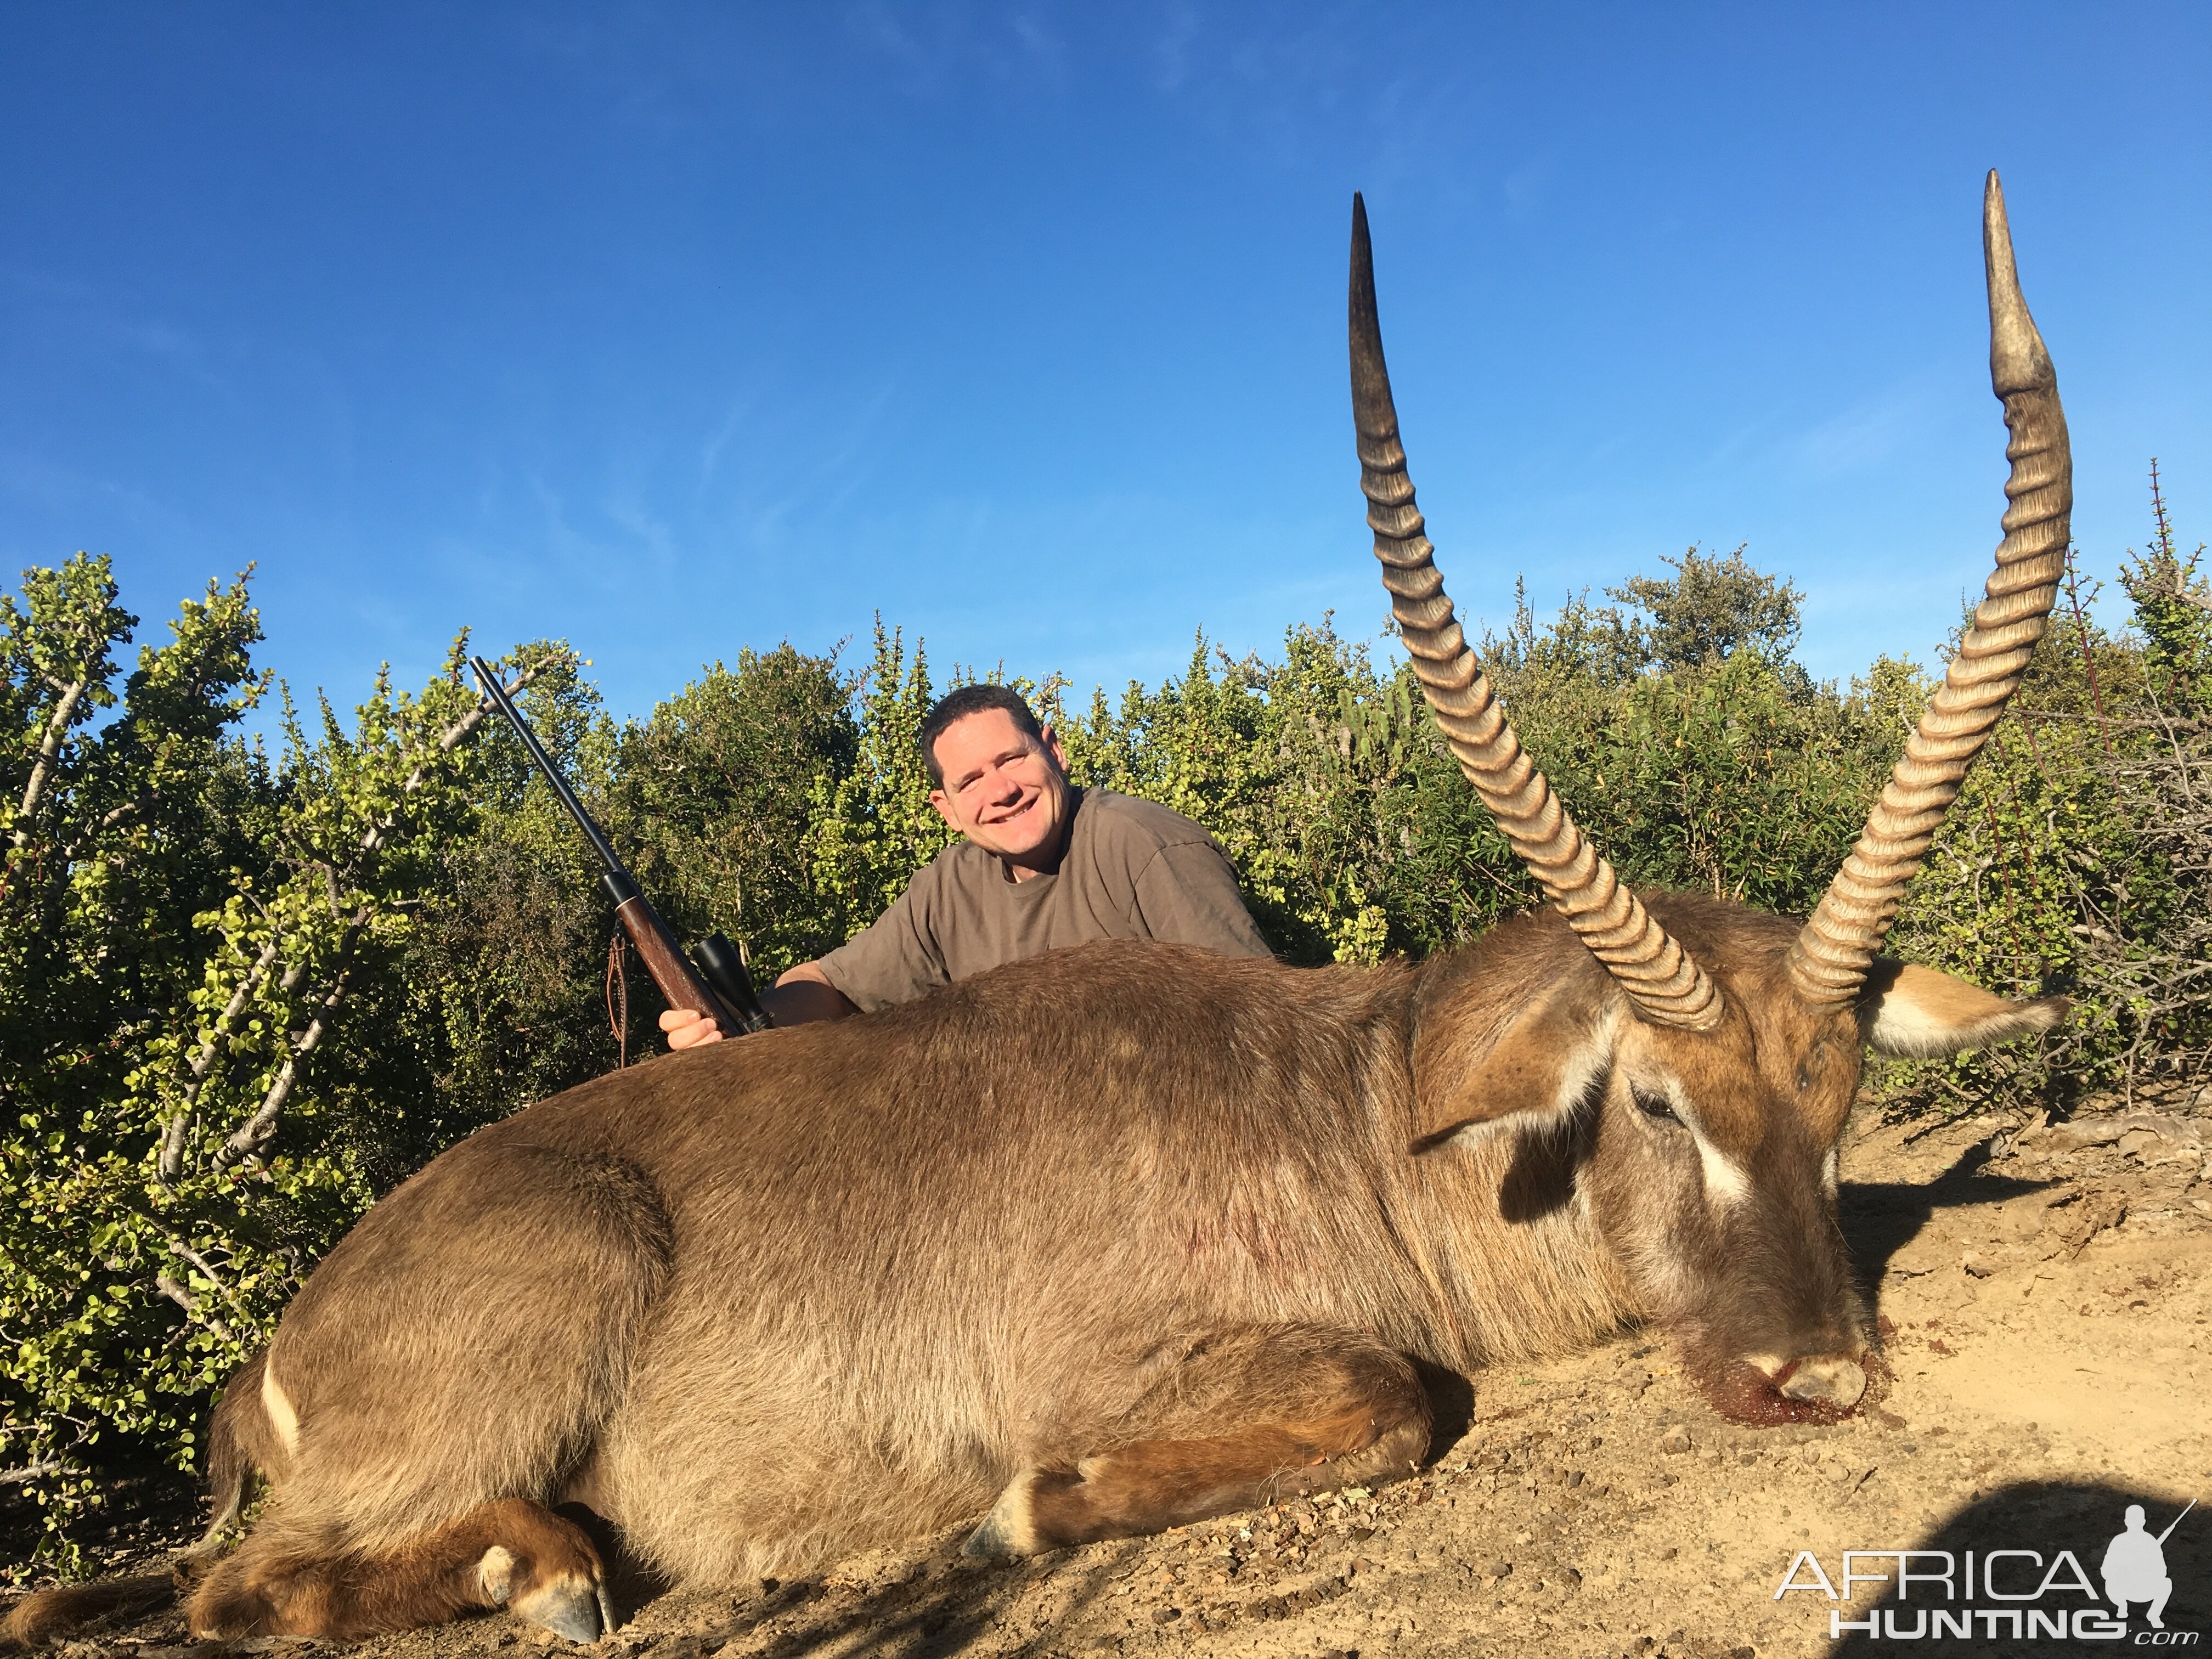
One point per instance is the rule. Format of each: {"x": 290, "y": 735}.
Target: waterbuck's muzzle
{"x": 1833, "y": 1380}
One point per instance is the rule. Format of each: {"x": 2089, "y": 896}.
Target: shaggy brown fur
{"x": 292, "y": 1581}
{"x": 1112, "y": 1239}
{"x": 51, "y": 1615}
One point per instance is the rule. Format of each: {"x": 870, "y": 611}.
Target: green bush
{"x": 199, "y": 950}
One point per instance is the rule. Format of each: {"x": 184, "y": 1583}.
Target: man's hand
{"x": 801, "y": 996}
{"x": 687, "y": 1029}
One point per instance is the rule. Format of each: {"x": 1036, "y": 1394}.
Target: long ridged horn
{"x": 1667, "y": 986}
{"x": 1830, "y": 959}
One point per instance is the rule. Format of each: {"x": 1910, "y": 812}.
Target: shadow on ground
{"x": 2052, "y": 1536}
{"x": 1880, "y": 1217}
{"x": 937, "y": 1604}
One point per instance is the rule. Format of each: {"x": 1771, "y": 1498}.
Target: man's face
{"x": 1003, "y": 789}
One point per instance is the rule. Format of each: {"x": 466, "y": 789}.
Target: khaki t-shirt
{"x": 1132, "y": 870}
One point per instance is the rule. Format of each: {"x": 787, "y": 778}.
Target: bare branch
{"x": 41, "y": 770}
{"x": 257, "y": 1131}
{"x": 251, "y": 1136}
{"x": 2159, "y": 723}
{"x": 180, "y": 1248}
{"x": 178, "y": 1294}
{"x": 174, "y": 1134}
{"x": 448, "y": 740}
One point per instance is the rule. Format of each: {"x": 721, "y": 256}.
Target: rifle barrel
{"x": 723, "y": 992}
{"x": 2176, "y": 1522}
{"x": 551, "y": 772}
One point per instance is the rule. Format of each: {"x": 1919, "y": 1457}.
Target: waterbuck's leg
{"x": 1230, "y": 1419}
{"x": 512, "y": 1553}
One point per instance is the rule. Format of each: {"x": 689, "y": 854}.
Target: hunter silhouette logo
{"x": 2134, "y": 1566}
{"x": 2008, "y": 1593}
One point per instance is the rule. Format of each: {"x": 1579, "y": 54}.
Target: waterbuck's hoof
{"x": 1833, "y": 1381}
{"x": 1008, "y": 1530}
{"x": 987, "y": 1543}
{"x": 570, "y": 1606}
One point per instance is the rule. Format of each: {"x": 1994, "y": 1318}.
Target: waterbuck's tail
{"x": 50, "y": 1616}
{"x": 240, "y": 1444}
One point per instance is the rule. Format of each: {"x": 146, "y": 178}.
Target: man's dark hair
{"x": 957, "y": 706}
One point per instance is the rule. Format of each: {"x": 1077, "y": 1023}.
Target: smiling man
{"x": 1041, "y": 865}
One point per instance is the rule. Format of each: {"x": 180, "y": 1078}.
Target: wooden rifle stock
{"x": 671, "y": 971}
{"x": 717, "y": 987}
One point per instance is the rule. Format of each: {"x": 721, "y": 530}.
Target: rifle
{"x": 2176, "y": 1522}
{"x": 716, "y": 985}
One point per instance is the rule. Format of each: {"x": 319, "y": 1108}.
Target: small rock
{"x": 1675, "y": 1440}
{"x": 1166, "y": 1615}
{"x": 2095, "y": 1215}
{"x": 1980, "y": 1263}
{"x": 2084, "y": 1133}
{"x": 2136, "y": 1142}
{"x": 2105, "y": 1132}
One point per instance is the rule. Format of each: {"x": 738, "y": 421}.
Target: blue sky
{"x": 670, "y": 329}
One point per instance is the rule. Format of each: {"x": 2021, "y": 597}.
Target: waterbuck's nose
{"x": 1824, "y": 1380}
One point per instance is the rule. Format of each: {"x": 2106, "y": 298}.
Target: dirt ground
{"x": 2044, "y": 1294}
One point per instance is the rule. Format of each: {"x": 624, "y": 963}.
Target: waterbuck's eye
{"x": 1804, "y": 1079}
{"x": 1654, "y": 1105}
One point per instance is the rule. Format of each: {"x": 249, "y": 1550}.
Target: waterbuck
{"x": 1127, "y": 1236}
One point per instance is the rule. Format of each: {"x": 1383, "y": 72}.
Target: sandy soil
{"x": 2044, "y": 1294}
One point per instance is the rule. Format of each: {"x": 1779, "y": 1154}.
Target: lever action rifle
{"x": 716, "y": 985}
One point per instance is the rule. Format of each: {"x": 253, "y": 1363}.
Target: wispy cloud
{"x": 710, "y": 453}
{"x": 56, "y": 490}
{"x": 1867, "y": 433}
{"x": 1171, "y": 46}
{"x": 1528, "y": 185}
{"x": 1045, "y": 47}
{"x": 936, "y": 48}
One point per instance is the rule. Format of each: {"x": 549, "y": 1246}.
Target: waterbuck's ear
{"x": 1471, "y": 1065}
{"x": 1921, "y": 1014}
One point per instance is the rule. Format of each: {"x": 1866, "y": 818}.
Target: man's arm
{"x": 799, "y": 997}
{"x": 1187, "y": 894}
{"x": 805, "y": 994}
{"x": 890, "y": 960}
